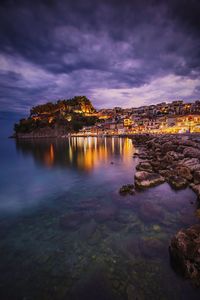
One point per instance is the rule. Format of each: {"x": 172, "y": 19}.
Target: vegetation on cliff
{"x": 70, "y": 115}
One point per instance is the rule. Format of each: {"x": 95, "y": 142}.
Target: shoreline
{"x": 175, "y": 160}
{"x": 131, "y": 135}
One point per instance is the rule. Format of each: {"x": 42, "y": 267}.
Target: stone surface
{"x": 177, "y": 182}
{"x": 192, "y": 163}
{"x": 144, "y": 166}
{"x": 191, "y": 152}
{"x": 185, "y": 253}
{"x": 183, "y": 172}
{"x": 145, "y": 179}
{"x": 196, "y": 176}
{"x": 127, "y": 189}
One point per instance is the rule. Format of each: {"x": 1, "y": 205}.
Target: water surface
{"x": 66, "y": 233}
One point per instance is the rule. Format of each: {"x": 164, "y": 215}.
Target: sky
{"x": 117, "y": 53}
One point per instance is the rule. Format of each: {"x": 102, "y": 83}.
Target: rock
{"x": 127, "y": 189}
{"x": 192, "y": 163}
{"x": 175, "y": 155}
{"x": 191, "y": 152}
{"x": 149, "y": 212}
{"x": 144, "y": 166}
{"x": 166, "y": 173}
{"x": 196, "y": 176}
{"x": 143, "y": 155}
{"x": 145, "y": 179}
{"x": 189, "y": 143}
{"x": 168, "y": 146}
{"x": 156, "y": 164}
{"x": 196, "y": 189}
{"x": 177, "y": 182}
{"x": 185, "y": 253}
{"x": 156, "y": 228}
{"x": 183, "y": 172}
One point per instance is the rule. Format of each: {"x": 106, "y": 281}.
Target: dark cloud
{"x": 115, "y": 52}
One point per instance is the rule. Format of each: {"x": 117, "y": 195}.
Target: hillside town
{"x": 174, "y": 117}
{"x": 78, "y": 117}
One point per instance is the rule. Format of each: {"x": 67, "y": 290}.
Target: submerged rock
{"x": 150, "y": 212}
{"x": 87, "y": 230}
{"x": 145, "y": 179}
{"x": 185, "y": 253}
{"x": 127, "y": 189}
{"x": 152, "y": 247}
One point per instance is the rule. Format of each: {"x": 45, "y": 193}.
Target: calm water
{"x": 66, "y": 233}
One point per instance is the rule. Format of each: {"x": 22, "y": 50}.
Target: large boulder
{"x": 185, "y": 253}
{"x": 145, "y": 179}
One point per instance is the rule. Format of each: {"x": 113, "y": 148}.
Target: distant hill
{"x": 55, "y": 119}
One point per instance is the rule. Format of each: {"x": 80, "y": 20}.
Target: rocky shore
{"x": 174, "y": 159}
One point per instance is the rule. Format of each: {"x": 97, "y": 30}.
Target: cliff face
{"x": 57, "y": 119}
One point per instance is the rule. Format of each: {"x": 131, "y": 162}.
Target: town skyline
{"x": 118, "y": 54}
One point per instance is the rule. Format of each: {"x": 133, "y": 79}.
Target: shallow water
{"x": 66, "y": 233}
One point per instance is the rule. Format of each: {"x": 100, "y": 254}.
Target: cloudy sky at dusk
{"x": 117, "y": 53}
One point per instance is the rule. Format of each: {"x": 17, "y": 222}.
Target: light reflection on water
{"x": 82, "y": 153}
{"x": 66, "y": 233}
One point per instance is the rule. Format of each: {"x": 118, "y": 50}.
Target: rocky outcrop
{"x": 185, "y": 253}
{"x": 145, "y": 179}
{"x": 175, "y": 158}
